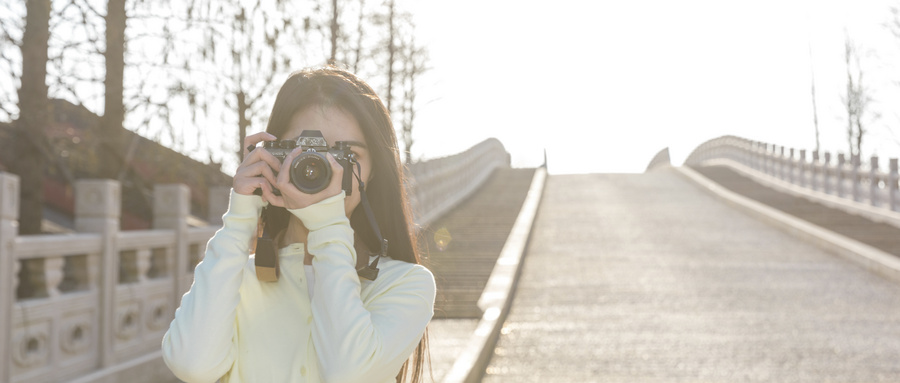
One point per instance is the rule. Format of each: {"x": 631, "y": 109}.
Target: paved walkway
{"x": 646, "y": 278}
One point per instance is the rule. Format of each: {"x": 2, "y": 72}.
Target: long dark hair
{"x": 334, "y": 87}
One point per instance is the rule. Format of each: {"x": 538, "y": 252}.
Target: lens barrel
{"x": 310, "y": 172}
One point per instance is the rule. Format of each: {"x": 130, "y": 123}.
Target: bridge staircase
{"x": 463, "y": 245}
{"x": 879, "y": 235}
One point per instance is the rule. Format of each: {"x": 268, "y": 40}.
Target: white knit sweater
{"x": 233, "y": 327}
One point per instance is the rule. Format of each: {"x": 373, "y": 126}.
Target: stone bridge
{"x": 750, "y": 263}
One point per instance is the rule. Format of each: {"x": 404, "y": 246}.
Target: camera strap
{"x": 266, "y": 257}
{"x": 370, "y": 271}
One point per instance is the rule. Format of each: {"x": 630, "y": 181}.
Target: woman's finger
{"x": 257, "y": 169}
{"x": 270, "y": 197}
{"x": 247, "y": 185}
{"x": 261, "y": 155}
{"x": 284, "y": 172}
{"x": 254, "y": 139}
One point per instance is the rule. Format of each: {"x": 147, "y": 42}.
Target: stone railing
{"x": 848, "y": 179}
{"x": 93, "y": 306}
{"x": 438, "y": 185}
{"x": 660, "y": 160}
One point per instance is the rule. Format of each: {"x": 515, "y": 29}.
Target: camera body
{"x": 311, "y": 171}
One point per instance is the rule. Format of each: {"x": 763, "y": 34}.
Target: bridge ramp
{"x": 646, "y": 278}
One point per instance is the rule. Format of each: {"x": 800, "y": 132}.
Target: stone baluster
{"x": 779, "y": 161}
{"x": 760, "y": 156}
{"x": 816, "y": 168}
{"x": 98, "y": 207}
{"x": 141, "y": 264}
{"x": 854, "y": 173}
{"x": 9, "y": 229}
{"x": 45, "y": 276}
{"x": 171, "y": 206}
{"x": 893, "y": 178}
{"x": 753, "y": 154}
{"x": 827, "y": 174}
{"x": 782, "y": 162}
{"x": 792, "y": 165}
{"x": 802, "y": 169}
{"x": 873, "y": 181}
{"x": 842, "y": 161}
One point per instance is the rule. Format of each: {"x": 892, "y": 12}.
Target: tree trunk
{"x": 851, "y": 88}
{"x": 407, "y": 134}
{"x": 391, "y": 49}
{"x": 243, "y": 123}
{"x": 335, "y": 30}
{"x": 359, "y": 36}
{"x": 34, "y": 116}
{"x": 812, "y": 76}
{"x": 114, "y": 109}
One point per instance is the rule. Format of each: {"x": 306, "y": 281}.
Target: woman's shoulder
{"x": 393, "y": 273}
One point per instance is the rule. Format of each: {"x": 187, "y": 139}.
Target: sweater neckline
{"x": 292, "y": 250}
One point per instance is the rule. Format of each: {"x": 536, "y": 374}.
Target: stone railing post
{"x": 171, "y": 206}
{"x": 826, "y": 174}
{"x": 98, "y": 209}
{"x": 842, "y": 163}
{"x": 792, "y": 168}
{"x": 9, "y": 229}
{"x": 782, "y": 164}
{"x": 760, "y": 151}
{"x": 218, "y": 204}
{"x": 855, "y": 163}
{"x": 893, "y": 178}
{"x": 873, "y": 181}
{"x": 816, "y": 169}
{"x": 802, "y": 169}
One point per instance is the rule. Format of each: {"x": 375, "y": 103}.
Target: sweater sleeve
{"x": 199, "y": 345}
{"x": 357, "y": 341}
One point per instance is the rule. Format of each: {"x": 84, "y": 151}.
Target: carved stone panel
{"x": 30, "y": 347}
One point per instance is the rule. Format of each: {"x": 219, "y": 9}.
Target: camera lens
{"x": 310, "y": 172}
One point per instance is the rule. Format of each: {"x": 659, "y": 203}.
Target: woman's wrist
{"x": 243, "y": 207}
{"x": 327, "y": 212}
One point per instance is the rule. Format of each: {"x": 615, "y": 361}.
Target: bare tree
{"x": 359, "y": 35}
{"x": 392, "y": 50}
{"x": 812, "y": 82}
{"x": 335, "y": 27}
{"x": 857, "y": 98}
{"x": 11, "y": 27}
{"x": 414, "y": 64}
{"x": 250, "y": 50}
{"x": 34, "y": 115}
{"x": 114, "y": 90}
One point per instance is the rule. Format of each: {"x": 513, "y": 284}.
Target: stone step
{"x": 879, "y": 235}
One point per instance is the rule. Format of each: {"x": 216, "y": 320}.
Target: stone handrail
{"x": 861, "y": 183}
{"x": 661, "y": 159}
{"x": 93, "y": 306}
{"x": 437, "y": 185}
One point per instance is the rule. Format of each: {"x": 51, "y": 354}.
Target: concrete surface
{"x": 447, "y": 339}
{"x": 645, "y": 278}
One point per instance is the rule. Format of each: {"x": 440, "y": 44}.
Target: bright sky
{"x": 605, "y": 85}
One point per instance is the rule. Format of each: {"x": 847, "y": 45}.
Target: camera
{"x": 310, "y": 171}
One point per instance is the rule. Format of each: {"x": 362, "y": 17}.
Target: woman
{"x": 319, "y": 321}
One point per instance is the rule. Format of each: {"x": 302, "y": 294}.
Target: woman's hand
{"x": 257, "y": 171}
{"x": 293, "y": 198}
